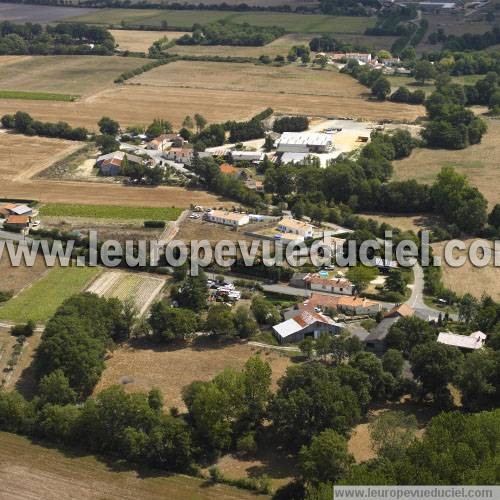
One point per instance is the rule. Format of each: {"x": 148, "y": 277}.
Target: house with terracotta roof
{"x": 180, "y": 155}
{"x": 316, "y": 282}
{"x": 227, "y": 218}
{"x": 17, "y": 222}
{"x": 400, "y": 311}
{"x": 305, "y": 324}
{"x": 294, "y": 226}
{"x": 347, "y": 304}
{"x": 165, "y": 141}
{"x": 111, "y": 164}
{"x": 228, "y": 169}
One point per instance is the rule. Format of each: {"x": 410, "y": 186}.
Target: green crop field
{"x": 184, "y": 19}
{"x": 36, "y": 96}
{"x": 40, "y": 301}
{"x": 109, "y": 212}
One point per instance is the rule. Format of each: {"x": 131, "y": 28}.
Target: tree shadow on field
{"x": 200, "y": 343}
{"x": 112, "y": 464}
{"x": 26, "y": 384}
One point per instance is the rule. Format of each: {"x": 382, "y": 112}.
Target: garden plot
{"x": 143, "y": 289}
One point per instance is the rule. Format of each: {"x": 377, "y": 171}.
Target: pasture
{"x": 479, "y": 163}
{"x": 140, "y": 41}
{"x": 184, "y": 19}
{"x": 40, "y": 301}
{"x": 113, "y": 212}
{"x": 81, "y": 75}
{"x": 168, "y": 367}
{"x": 468, "y": 278}
{"x": 31, "y": 470}
{"x": 142, "y": 289}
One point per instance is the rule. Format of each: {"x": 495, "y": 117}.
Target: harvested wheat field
{"x": 252, "y": 78}
{"x": 29, "y": 470}
{"x": 142, "y": 365}
{"x": 22, "y": 157}
{"x": 468, "y": 278}
{"x": 479, "y": 163}
{"x": 140, "y": 41}
{"x": 82, "y": 75}
{"x": 109, "y": 194}
{"x": 141, "y": 104}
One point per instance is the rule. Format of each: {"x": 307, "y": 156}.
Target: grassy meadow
{"x": 37, "y": 96}
{"x": 109, "y": 212}
{"x": 40, "y": 301}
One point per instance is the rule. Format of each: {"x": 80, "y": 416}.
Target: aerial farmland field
{"x": 479, "y": 163}
{"x": 110, "y": 212}
{"x": 40, "y": 301}
{"x": 140, "y": 41}
{"x": 140, "y": 288}
{"x": 184, "y": 19}
{"x": 81, "y": 75}
{"x": 31, "y": 470}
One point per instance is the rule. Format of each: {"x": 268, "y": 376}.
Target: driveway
{"x": 416, "y": 300}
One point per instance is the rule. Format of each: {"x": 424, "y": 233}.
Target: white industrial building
{"x": 227, "y": 218}
{"x": 473, "y": 341}
{"x": 304, "y": 142}
{"x": 249, "y": 156}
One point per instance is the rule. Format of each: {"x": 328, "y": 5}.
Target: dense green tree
{"x": 220, "y": 320}
{"x": 424, "y": 70}
{"x": 381, "y": 88}
{"x": 392, "y": 362}
{"x": 310, "y": 399}
{"x": 54, "y": 388}
{"x": 326, "y": 459}
{"x": 435, "y": 365}
{"x": 107, "y": 144}
{"x": 171, "y": 323}
{"x": 192, "y": 292}
{"x": 479, "y": 380}
{"x": 107, "y": 126}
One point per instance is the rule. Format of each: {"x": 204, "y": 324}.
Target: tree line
{"x": 62, "y": 38}
{"x": 226, "y": 33}
{"x": 24, "y": 124}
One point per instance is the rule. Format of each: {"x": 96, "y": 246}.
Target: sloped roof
{"x": 18, "y": 219}
{"x": 473, "y": 341}
{"x": 400, "y": 310}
